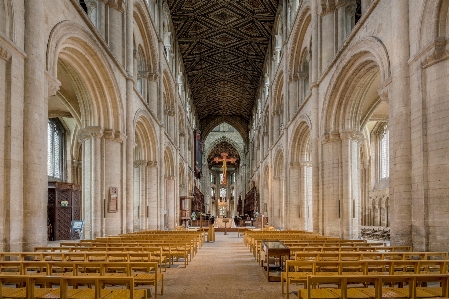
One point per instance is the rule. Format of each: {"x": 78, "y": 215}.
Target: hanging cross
{"x": 224, "y": 159}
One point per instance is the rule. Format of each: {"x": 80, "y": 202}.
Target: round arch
{"x": 363, "y": 63}
{"x": 75, "y": 48}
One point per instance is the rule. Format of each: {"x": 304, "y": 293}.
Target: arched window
{"x": 55, "y": 153}
{"x": 384, "y": 155}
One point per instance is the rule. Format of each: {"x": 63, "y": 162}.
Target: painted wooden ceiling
{"x": 223, "y": 44}
{"x": 223, "y": 147}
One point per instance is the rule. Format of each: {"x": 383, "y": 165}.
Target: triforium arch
{"x": 433, "y": 23}
{"x": 145, "y": 173}
{"x": 278, "y": 107}
{"x": 141, "y": 21}
{"x": 277, "y": 195}
{"x": 350, "y": 102}
{"x": 300, "y": 205}
{"x": 169, "y": 105}
{"x": 298, "y": 64}
{"x": 170, "y": 205}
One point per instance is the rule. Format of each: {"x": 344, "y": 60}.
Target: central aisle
{"x": 223, "y": 269}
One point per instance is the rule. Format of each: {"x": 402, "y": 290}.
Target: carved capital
{"x": 139, "y": 163}
{"x": 4, "y": 54}
{"x": 352, "y": 134}
{"x": 152, "y": 164}
{"x": 305, "y": 163}
{"x": 113, "y": 135}
{"x": 88, "y": 132}
{"x": 295, "y": 165}
{"x": 439, "y": 52}
{"x": 153, "y": 77}
{"x": 327, "y": 6}
{"x": 331, "y": 137}
{"x": 53, "y": 84}
{"x": 142, "y": 74}
{"x": 117, "y": 4}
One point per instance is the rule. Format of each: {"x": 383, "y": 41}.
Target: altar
{"x": 220, "y": 224}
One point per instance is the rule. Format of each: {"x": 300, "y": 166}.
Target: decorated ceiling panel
{"x": 223, "y": 44}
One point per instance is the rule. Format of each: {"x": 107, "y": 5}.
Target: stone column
{"x": 305, "y": 194}
{"x": 115, "y": 30}
{"x": 351, "y": 187}
{"x": 400, "y": 128}
{"x": 35, "y": 119}
{"x": 129, "y": 115}
{"x": 170, "y": 202}
{"x": 341, "y": 29}
{"x": 153, "y": 204}
{"x": 143, "y": 194}
{"x": 153, "y": 92}
{"x": 97, "y": 199}
{"x": 316, "y": 213}
{"x": 295, "y": 201}
{"x": 328, "y": 48}
{"x": 5, "y": 149}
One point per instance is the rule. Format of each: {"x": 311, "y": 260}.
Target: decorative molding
{"x": 352, "y": 134}
{"x": 4, "y": 54}
{"x": 152, "y": 164}
{"x": 53, "y": 84}
{"x": 88, "y": 132}
{"x": 327, "y": 6}
{"x": 113, "y": 135}
{"x": 438, "y": 54}
{"x": 117, "y": 4}
{"x": 331, "y": 137}
{"x": 139, "y": 163}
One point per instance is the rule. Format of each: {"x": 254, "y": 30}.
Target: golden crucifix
{"x": 224, "y": 159}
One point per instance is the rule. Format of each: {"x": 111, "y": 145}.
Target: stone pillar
{"x": 341, "y": 21}
{"x": 293, "y": 95}
{"x": 91, "y": 173}
{"x": 330, "y": 204}
{"x": 170, "y": 202}
{"x": 350, "y": 205}
{"x": 5, "y": 152}
{"x": 153, "y": 93}
{"x": 143, "y": 195}
{"x": 305, "y": 186}
{"x": 153, "y": 218}
{"x": 294, "y": 199}
{"x": 97, "y": 199}
{"x": 400, "y": 128}
{"x": 328, "y": 27}
{"x": 316, "y": 213}
{"x": 129, "y": 114}
{"x": 115, "y": 30}
{"x": 35, "y": 121}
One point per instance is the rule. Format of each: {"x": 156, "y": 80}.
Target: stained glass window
{"x": 223, "y": 192}
{"x": 55, "y": 153}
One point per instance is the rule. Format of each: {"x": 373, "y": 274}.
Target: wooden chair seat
{"x": 317, "y": 294}
{"x": 354, "y": 293}
{"x": 125, "y": 294}
{"x": 435, "y": 291}
{"x": 13, "y": 292}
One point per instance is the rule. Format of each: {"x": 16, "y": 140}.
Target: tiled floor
{"x": 223, "y": 269}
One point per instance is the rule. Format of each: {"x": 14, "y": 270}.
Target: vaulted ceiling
{"x": 223, "y": 44}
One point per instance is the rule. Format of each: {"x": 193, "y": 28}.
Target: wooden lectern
{"x": 225, "y": 221}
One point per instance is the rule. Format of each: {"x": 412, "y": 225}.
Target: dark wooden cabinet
{"x": 251, "y": 205}
{"x": 198, "y": 201}
{"x": 64, "y": 205}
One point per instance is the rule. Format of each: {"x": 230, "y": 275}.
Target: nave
{"x": 221, "y": 269}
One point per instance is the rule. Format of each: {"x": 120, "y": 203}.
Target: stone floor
{"x": 223, "y": 269}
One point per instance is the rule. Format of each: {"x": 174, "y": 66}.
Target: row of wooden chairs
{"x": 387, "y": 286}
{"x": 298, "y": 271}
{"x": 144, "y": 273}
{"x": 30, "y": 287}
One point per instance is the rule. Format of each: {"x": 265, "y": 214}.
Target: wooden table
{"x": 276, "y": 249}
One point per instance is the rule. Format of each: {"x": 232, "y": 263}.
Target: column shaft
{"x": 35, "y": 129}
